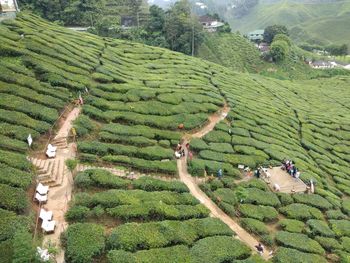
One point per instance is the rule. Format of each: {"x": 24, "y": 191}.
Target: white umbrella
{"x": 42, "y": 189}
{"x": 45, "y": 215}
{"x": 41, "y": 198}
{"x": 30, "y": 140}
{"x": 48, "y": 226}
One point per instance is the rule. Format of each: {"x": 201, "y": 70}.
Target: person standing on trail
{"x": 260, "y": 249}
{"x": 220, "y": 173}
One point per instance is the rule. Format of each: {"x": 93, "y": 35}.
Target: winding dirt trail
{"x": 186, "y": 178}
{"x": 59, "y": 196}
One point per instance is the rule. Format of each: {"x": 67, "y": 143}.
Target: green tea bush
{"x": 12, "y": 198}
{"x": 84, "y": 126}
{"x": 259, "y": 197}
{"x": 178, "y": 253}
{"x": 16, "y": 131}
{"x": 285, "y": 199}
{"x": 14, "y": 177}
{"x": 313, "y": 200}
{"x": 83, "y": 242}
{"x": 291, "y": 225}
{"x": 221, "y": 147}
{"x": 12, "y": 144}
{"x": 77, "y": 213}
{"x": 299, "y": 241}
{"x": 159, "y": 211}
{"x": 15, "y": 160}
{"x": 225, "y": 195}
{"x": 292, "y": 255}
{"x": 8, "y": 224}
{"x": 346, "y": 206}
{"x": 345, "y": 241}
{"x": 150, "y": 184}
{"x": 319, "y": 227}
{"x": 254, "y": 226}
{"x": 134, "y": 236}
{"x": 301, "y": 212}
{"x": 198, "y": 145}
{"x": 105, "y": 179}
{"x": 262, "y": 213}
{"x": 328, "y": 243}
{"x": 340, "y": 227}
{"x": 335, "y": 214}
{"x": 6, "y": 251}
{"x": 255, "y": 183}
{"x": 219, "y": 249}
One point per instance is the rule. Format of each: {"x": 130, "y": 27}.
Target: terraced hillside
{"x": 139, "y": 101}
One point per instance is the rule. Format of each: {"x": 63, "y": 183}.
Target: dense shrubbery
{"x": 151, "y": 184}
{"x": 329, "y": 244}
{"x": 83, "y": 242}
{"x": 133, "y": 236}
{"x": 12, "y": 198}
{"x": 292, "y": 255}
{"x": 299, "y": 241}
{"x": 319, "y": 227}
{"x": 340, "y": 227}
{"x": 292, "y": 225}
{"x": 14, "y": 177}
{"x": 259, "y": 197}
{"x": 100, "y": 178}
{"x": 262, "y": 213}
{"x": 301, "y": 212}
{"x": 313, "y": 200}
{"x": 219, "y": 249}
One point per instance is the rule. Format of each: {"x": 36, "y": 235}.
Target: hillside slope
{"x": 136, "y": 100}
{"x": 316, "y": 22}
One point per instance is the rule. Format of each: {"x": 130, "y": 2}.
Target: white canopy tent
{"x": 43, "y": 254}
{"x": 40, "y": 198}
{"x": 42, "y": 189}
{"x": 51, "y": 151}
{"x": 45, "y": 215}
{"x": 48, "y": 226}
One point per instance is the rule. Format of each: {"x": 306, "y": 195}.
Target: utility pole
{"x": 192, "y": 17}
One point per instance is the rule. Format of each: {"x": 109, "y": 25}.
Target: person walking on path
{"x": 260, "y": 249}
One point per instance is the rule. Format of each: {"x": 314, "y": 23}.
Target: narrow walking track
{"x": 202, "y": 197}
{"x": 60, "y": 192}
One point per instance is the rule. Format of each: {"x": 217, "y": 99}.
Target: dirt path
{"x": 60, "y": 195}
{"x": 202, "y": 197}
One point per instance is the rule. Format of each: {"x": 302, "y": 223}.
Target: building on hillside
{"x": 256, "y": 36}
{"x": 8, "y": 9}
{"x": 263, "y": 47}
{"x": 319, "y": 64}
{"x": 210, "y": 24}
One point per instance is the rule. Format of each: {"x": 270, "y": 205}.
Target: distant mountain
{"x": 314, "y": 21}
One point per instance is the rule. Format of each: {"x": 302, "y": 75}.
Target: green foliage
{"x": 71, "y": 164}
{"x": 83, "y": 125}
{"x": 335, "y": 214}
{"x": 12, "y": 198}
{"x": 83, "y": 242}
{"x": 346, "y": 206}
{"x": 151, "y": 184}
{"x": 262, "y": 213}
{"x": 100, "y": 178}
{"x": 319, "y": 227}
{"x": 301, "y": 212}
{"x": 254, "y": 226}
{"x": 23, "y": 249}
{"x": 279, "y": 50}
{"x": 133, "y": 236}
{"x": 345, "y": 241}
{"x": 259, "y": 197}
{"x": 299, "y": 241}
{"x": 271, "y": 31}
{"x": 15, "y": 177}
{"x": 340, "y": 227}
{"x": 313, "y": 200}
{"x": 219, "y": 249}
{"x": 8, "y": 224}
{"x": 329, "y": 244}
{"x": 292, "y": 255}
{"x": 291, "y": 225}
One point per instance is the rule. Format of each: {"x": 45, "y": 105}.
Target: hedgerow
{"x": 301, "y": 212}
{"x": 340, "y": 227}
{"x": 16, "y": 131}
{"x": 150, "y": 184}
{"x": 15, "y": 160}
{"x": 259, "y": 197}
{"x": 12, "y": 198}
{"x": 328, "y": 243}
{"x": 346, "y": 206}
{"x": 254, "y": 226}
{"x": 291, "y": 225}
{"x": 299, "y": 241}
{"x": 178, "y": 253}
{"x": 12, "y": 144}
{"x": 134, "y": 236}
{"x": 345, "y": 241}
{"x": 83, "y": 242}
{"x": 319, "y": 227}
{"x": 292, "y": 255}
{"x": 219, "y": 249}
{"x": 159, "y": 211}
{"x": 335, "y": 214}
{"x": 14, "y": 177}
{"x": 313, "y": 200}
{"x": 225, "y": 195}
{"x": 262, "y": 213}
{"x": 8, "y": 224}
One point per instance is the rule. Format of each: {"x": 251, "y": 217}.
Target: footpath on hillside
{"x": 60, "y": 193}
{"x": 187, "y": 179}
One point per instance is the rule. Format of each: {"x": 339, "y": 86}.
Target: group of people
{"x": 180, "y": 151}
{"x": 290, "y": 167}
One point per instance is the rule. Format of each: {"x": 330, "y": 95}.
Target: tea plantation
{"x": 135, "y": 99}
{"x": 144, "y": 220}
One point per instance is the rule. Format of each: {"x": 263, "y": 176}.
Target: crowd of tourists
{"x": 291, "y": 169}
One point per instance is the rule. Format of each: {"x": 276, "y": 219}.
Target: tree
{"x": 279, "y": 50}
{"x": 241, "y": 194}
{"x": 181, "y": 27}
{"x": 283, "y": 37}
{"x": 337, "y": 50}
{"x": 271, "y": 31}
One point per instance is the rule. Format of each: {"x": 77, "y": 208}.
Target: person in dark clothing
{"x": 260, "y": 248}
